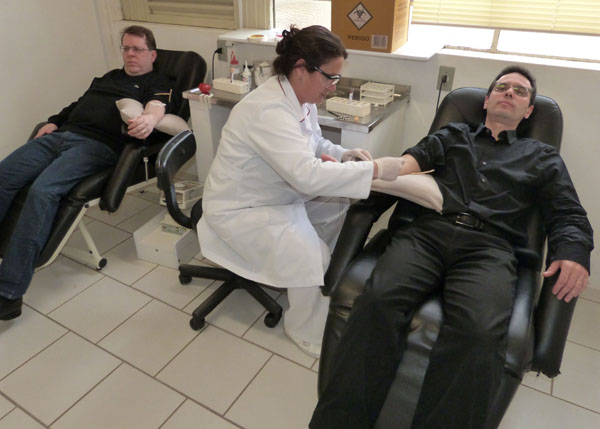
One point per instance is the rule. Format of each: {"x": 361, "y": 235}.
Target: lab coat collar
{"x": 290, "y": 95}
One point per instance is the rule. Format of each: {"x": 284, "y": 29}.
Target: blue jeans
{"x": 55, "y": 163}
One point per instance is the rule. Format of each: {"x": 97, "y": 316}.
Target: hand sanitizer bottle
{"x": 246, "y": 75}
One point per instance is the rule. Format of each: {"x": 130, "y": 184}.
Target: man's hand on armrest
{"x": 142, "y": 126}
{"x": 46, "y": 129}
{"x": 572, "y": 280}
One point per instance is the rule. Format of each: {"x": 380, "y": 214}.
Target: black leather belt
{"x": 473, "y": 222}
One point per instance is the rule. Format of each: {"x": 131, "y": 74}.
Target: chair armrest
{"x": 131, "y": 157}
{"x": 354, "y": 233}
{"x": 552, "y": 321}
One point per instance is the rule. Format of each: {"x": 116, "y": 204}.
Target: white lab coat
{"x": 267, "y": 167}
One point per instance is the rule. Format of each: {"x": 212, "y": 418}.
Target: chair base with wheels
{"x": 231, "y": 283}
{"x": 170, "y": 159}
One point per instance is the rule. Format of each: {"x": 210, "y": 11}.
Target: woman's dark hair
{"x": 523, "y": 72}
{"x": 315, "y": 44}
{"x": 138, "y": 30}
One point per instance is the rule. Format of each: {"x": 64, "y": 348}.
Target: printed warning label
{"x": 359, "y": 16}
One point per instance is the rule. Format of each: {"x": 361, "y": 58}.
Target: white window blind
{"x": 203, "y": 13}
{"x": 564, "y": 16}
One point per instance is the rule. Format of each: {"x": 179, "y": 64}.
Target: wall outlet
{"x": 223, "y": 45}
{"x": 446, "y": 84}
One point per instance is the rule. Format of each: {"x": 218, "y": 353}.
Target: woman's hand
{"x": 328, "y": 158}
{"x": 356, "y": 155}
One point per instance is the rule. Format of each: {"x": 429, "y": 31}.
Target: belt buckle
{"x": 459, "y": 220}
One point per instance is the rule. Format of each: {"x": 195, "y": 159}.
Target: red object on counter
{"x": 204, "y": 88}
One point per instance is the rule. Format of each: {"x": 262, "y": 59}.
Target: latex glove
{"x": 46, "y": 129}
{"x": 388, "y": 167}
{"x": 356, "y": 155}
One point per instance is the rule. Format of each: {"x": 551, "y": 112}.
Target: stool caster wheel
{"x": 196, "y": 324}
{"x": 272, "y": 319}
{"x": 184, "y": 279}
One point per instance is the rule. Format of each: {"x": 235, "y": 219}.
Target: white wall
{"x": 50, "y": 52}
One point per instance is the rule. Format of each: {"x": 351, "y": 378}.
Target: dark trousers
{"x": 476, "y": 274}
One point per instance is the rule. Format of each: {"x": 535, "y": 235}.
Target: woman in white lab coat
{"x": 272, "y": 207}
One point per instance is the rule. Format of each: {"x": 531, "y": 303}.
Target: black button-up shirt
{"x": 501, "y": 181}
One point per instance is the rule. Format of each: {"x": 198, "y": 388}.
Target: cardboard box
{"x": 371, "y": 25}
{"x": 155, "y": 245}
{"x": 186, "y": 193}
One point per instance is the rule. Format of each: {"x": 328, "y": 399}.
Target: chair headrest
{"x": 466, "y": 105}
{"x": 185, "y": 69}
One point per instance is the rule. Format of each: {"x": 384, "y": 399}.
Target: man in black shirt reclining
{"x": 489, "y": 179}
{"x": 84, "y": 138}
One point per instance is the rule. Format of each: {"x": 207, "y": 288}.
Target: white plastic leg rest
{"x": 90, "y": 257}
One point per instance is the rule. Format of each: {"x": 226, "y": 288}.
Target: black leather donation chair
{"x": 170, "y": 159}
{"x": 135, "y": 169}
{"x": 539, "y": 323}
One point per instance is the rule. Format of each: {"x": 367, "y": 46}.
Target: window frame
{"x": 244, "y": 13}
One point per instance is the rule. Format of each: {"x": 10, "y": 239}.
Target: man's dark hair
{"x": 138, "y": 30}
{"x": 523, "y": 72}
{"x": 315, "y": 44}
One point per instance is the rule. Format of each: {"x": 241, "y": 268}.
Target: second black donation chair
{"x": 539, "y": 323}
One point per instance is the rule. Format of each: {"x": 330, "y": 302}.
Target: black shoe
{"x": 10, "y": 308}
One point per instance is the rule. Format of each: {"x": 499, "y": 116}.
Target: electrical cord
{"x": 217, "y": 51}
{"x": 442, "y": 82}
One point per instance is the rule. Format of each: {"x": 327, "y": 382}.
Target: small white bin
{"x": 165, "y": 248}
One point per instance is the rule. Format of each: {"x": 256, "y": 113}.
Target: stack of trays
{"x": 378, "y": 94}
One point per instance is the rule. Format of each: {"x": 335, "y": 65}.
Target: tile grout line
{"x": 40, "y": 351}
{"x": 87, "y": 393}
{"x": 562, "y": 400}
{"x": 17, "y": 404}
{"x": 249, "y": 383}
{"x": 584, "y": 346}
{"x": 76, "y": 295}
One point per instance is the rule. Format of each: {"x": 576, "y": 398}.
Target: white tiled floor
{"x": 113, "y": 349}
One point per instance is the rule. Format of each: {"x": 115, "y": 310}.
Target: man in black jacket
{"x": 489, "y": 179}
{"x": 84, "y": 138}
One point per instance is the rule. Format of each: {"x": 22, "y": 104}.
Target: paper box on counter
{"x": 371, "y": 25}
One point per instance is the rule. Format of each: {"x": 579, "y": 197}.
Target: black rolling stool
{"x": 170, "y": 159}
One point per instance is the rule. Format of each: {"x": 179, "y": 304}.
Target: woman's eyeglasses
{"x": 521, "y": 91}
{"x": 334, "y": 78}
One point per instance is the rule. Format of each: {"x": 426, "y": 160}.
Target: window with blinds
{"x": 202, "y": 13}
{"x": 561, "y": 16}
